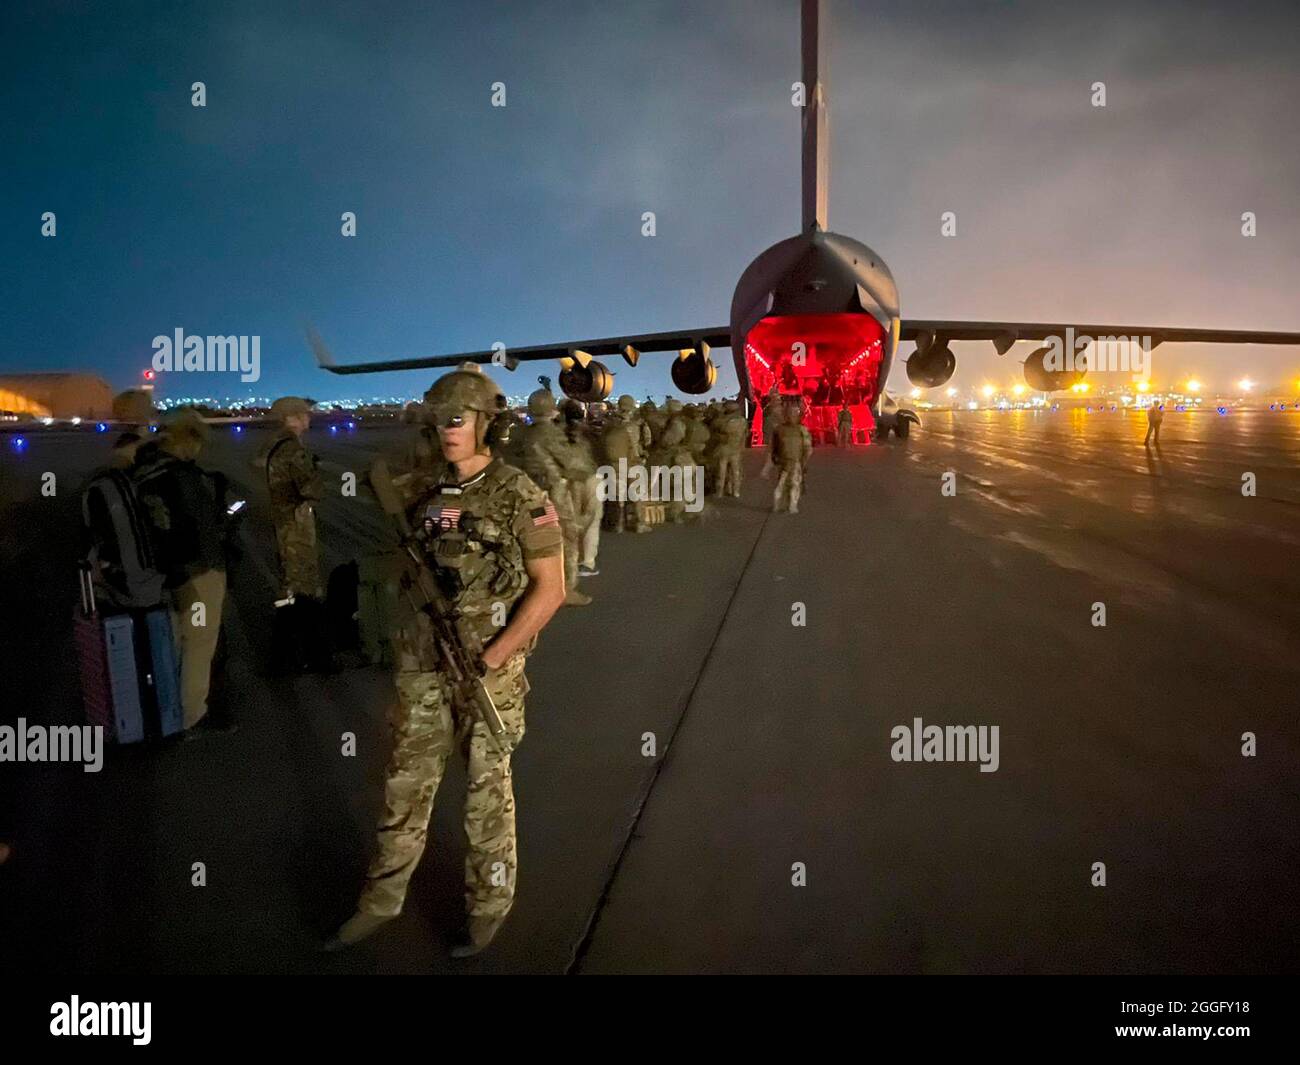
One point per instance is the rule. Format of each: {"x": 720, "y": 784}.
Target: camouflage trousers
{"x": 295, "y": 540}
{"x": 426, "y": 728}
{"x": 844, "y": 437}
{"x": 789, "y": 485}
{"x": 566, "y": 506}
{"x": 587, "y": 508}
{"x": 729, "y": 474}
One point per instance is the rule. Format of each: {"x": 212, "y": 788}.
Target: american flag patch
{"x": 442, "y": 517}
{"x": 545, "y": 515}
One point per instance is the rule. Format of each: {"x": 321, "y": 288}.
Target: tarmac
{"x": 771, "y": 830}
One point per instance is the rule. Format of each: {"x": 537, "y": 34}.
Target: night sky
{"x": 523, "y": 224}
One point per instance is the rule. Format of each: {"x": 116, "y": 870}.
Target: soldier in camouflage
{"x": 493, "y": 540}
{"x": 293, "y": 480}
{"x": 733, "y": 430}
{"x": 791, "y": 447}
{"x": 548, "y": 459}
{"x": 301, "y": 638}
{"x": 623, "y": 439}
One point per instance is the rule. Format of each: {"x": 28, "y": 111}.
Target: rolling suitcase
{"x": 163, "y": 670}
{"x": 92, "y": 657}
{"x": 130, "y": 673}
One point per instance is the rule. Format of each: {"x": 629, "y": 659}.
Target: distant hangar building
{"x": 56, "y": 395}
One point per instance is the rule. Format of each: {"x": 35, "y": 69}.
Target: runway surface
{"x": 1119, "y": 744}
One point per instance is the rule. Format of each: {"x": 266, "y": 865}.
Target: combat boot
{"x": 355, "y": 929}
{"x": 477, "y": 936}
{"x": 573, "y": 597}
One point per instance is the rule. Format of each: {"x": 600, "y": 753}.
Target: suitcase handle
{"x": 86, "y": 581}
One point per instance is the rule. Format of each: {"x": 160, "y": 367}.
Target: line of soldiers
{"x": 508, "y": 518}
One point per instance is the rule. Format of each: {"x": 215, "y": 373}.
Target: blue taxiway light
{"x": 19, "y": 443}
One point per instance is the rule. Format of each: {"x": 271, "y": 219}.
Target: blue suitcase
{"x": 123, "y": 680}
{"x": 165, "y": 672}
{"x": 130, "y": 673}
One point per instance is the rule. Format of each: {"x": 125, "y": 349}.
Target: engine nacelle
{"x": 587, "y": 384}
{"x": 932, "y": 364}
{"x": 693, "y": 372}
{"x": 1041, "y": 379}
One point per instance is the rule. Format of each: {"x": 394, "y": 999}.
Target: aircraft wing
{"x": 1004, "y": 334}
{"x": 629, "y": 347}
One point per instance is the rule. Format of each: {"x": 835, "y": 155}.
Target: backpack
{"x": 121, "y": 553}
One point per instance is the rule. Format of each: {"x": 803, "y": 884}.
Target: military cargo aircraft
{"x": 817, "y": 317}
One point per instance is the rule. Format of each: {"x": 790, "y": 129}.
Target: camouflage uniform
{"x": 791, "y": 447}
{"x": 670, "y": 450}
{"x": 583, "y": 483}
{"x": 622, "y": 439}
{"x": 512, "y": 523}
{"x": 845, "y": 427}
{"x": 732, "y": 429}
{"x": 546, "y": 458}
{"x": 293, "y": 478}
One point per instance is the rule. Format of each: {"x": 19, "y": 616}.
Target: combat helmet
{"x": 673, "y": 406}
{"x": 466, "y": 388}
{"x": 133, "y": 406}
{"x": 626, "y": 404}
{"x": 541, "y": 404}
{"x": 288, "y": 406}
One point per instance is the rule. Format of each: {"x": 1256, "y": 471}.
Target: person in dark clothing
{"x": 187, "y": 525}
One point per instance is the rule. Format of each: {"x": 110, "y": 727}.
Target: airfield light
{"x": 1193, "y": 385}
{"x": 19, "y": 443}
{"x": 1245, "y": 384}
{"x": 1019, "y": 390}
{"x": 1143, "y": 386}
{"x": 952, "y": 391}
{"x": 149, "y": 375}
{"x": 1084, "y": 387}
{"x": 987, "y": 390}
{"x": 916, "y": 393}
{"x": 972, "y": 405}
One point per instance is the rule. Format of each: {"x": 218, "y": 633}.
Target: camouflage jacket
{"x": 478, "y": 537}
{"x": 292, "y": 477}
{"x": 546, "y": 456}
{"x": 791, "y": 445}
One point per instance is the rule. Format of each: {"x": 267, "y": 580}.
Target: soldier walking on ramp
{"x": 490, "y": 541}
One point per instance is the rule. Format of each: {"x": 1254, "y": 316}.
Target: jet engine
{"x": 588, "y": 383}
{"x": 694, "y": 372}
{"x": 1041, "y": 379}
{"x": 932, "y": 363}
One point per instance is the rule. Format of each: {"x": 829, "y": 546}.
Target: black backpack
{"x": 121, "y": 553}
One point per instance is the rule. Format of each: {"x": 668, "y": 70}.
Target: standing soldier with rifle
{"x": 486, "y": 574}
